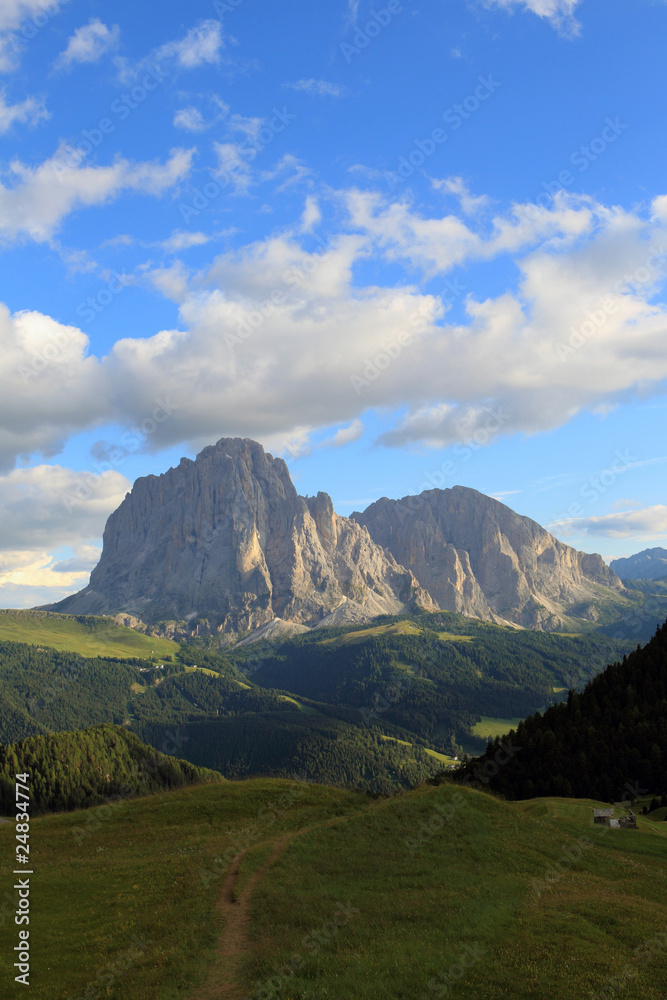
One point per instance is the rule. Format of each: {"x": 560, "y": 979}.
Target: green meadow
{"x": 272, "y": 888}
{"x": 88, "y": 635}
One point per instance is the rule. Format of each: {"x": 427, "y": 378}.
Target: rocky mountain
{"x": 227, "y": 541}
{"x": 227, "y": 538}
{"x": 651, "y": 564}
{"x": 478, "y": 557}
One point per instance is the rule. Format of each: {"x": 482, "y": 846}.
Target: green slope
{"x": 88, "y": 635}
{"x": 438, "y": 892}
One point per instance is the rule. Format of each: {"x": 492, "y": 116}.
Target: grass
{"x": 489, "y": 727}
{"x": 396, "y": 628}
{"x": 202, "y": 670}
{"x": 441, "y": 891}
{"x": 450, "y": 637}
{"x": 86, "y": 635}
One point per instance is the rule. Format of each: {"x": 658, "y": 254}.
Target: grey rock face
{"x": 476, "y": 556}
{"x": 228, "y": 538}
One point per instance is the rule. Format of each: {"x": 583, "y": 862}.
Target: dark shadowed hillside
{"x": 603, "y": 743}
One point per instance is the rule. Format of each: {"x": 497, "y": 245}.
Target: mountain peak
{"x": 227, "y": 538}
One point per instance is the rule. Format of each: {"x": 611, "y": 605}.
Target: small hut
{"x": 606, "y": 818}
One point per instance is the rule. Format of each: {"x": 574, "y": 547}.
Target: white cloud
{"x": 277, "y": 341}
{"x": 190, "y": 119}
{"x": 320, "y": 88}
{"x": 29, "y": 112}
{"x": 89, "y": 43}
{"x": 48, "y": 507}
{"x": 13, "y": 15}
{"x": 559, "y": 12}
{"x": 41, "y": 197}
{"x": 45, "y": 509}
{"x": 649, "y": 521}
{"x": 345, "y": 435}
{"x": 183, "y": 241}
{"x": 457, "y": 187}
{"x": 200, "y": 46}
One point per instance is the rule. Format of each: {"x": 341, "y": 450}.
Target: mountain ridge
{"x": 226, "y": 541}
{"x": 476, "y": 556}
{"x": 649, "y": 564}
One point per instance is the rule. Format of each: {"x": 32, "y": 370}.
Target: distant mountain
{"x": 609, "y": 740}
{"x": 476, "y": 556}
{"x": 651, "y": 564}
{"x": 226, "y": 543}
{"x": 228, "y": 539}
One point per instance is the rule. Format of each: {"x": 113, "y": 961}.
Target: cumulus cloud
{"x": 48, "y": 507}
{"x": 280, "y": 338}
{"x": 89, "y": 43}
{"x": 51, "y": 387}
{"x": 560, "y": 13}
{"x": 647, "y": 521}
{"x": 320, "y": 88}
{"x": 41, "y": 197}
{"x": 27, "y": 112}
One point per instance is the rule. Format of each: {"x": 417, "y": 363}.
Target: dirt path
{"x": 223, "y": 980}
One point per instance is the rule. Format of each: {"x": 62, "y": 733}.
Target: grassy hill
{"x": 88, "y": 635}
{"x": 279, "y": 889}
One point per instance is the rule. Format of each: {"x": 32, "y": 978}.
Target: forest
{"x": 608, "y": 742}
{"x": 76, "y": 770}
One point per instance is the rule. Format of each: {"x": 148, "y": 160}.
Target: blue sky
{"x": 404, "y": 245}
